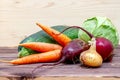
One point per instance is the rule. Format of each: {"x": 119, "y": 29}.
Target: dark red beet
{"x": 104, "y": 47}
{"x": 73, "y": 49}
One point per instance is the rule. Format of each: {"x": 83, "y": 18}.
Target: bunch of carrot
{"x": 47, "y": 52}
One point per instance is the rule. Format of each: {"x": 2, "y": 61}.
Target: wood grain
{"x": 108, "y": 69}
{"x": 18, "y": 17}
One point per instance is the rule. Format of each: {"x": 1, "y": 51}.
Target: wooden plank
{"x": 8, "y": 55}
{"x": 75, "y": 78}
{"x": 59, "y": 71}
{"x": 111, "y": 69}
{"x": 66, "y": 70}
{"x": 117, "y": 52}
{"x": 62, "y": 78}
{"x": 8, "y": 50}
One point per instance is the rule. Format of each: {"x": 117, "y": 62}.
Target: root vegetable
{"x": 73, "y": 49}
{"x": 91, "y": 57}
{"x": 50, "y": 56}
{"x": 61, "y": 39}
{"x": 41, "y": 46}
{"x": 104, "y": 47}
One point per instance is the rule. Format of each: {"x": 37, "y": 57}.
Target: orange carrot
{"x": 61, "y": 39}
{"x": 50, "y": 56}
{"x": 41, "y": 46}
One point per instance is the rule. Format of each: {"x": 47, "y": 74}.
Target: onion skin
{"x": 104, "y": 47}
{"x": 91, "y": 58}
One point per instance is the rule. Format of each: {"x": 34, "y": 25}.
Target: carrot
{"x": 41, "y": 46}
{"x": 61, "y": 39}
{"x": 50, "y": 56}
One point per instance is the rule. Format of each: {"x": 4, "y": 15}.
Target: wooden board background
{"x": 108, "y": 71}
{"x": 18, "y": 17}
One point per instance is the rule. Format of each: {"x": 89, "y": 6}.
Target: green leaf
{"x": 100, "y": 27}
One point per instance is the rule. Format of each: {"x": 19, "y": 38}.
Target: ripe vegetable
{"x": 73, "y": 49}
{"x": 103, "y": 46}
{"x": 61, "y": 39}
{"x": 41, "y": 46}
{"x": 90, "y": 57}
{"x": 51, "y": 56}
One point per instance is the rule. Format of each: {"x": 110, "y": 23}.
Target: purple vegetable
{"x": 73, "y": 49}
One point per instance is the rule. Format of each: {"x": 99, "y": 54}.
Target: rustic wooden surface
{"x": 110, "y": 70}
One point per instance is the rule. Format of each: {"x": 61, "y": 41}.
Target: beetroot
{"x": 73, "y": 49}
{"x": 104, "y": 47}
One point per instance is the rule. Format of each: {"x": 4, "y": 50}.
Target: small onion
{"x": 91, "y": 57}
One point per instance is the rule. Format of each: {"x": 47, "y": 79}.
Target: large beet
{"x": 73, "y": 49}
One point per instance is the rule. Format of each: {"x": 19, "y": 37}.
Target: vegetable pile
{"x": 90, "y": 45}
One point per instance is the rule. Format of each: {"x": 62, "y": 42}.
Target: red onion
{"x": 104, "y": 47}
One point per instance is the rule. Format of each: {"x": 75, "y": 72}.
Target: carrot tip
{"x": 20, "y": 44}
{"x": 38, "y": 24}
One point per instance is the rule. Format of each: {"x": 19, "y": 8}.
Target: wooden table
{"x": 108, "y": 71}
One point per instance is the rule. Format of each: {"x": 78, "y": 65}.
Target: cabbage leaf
{"x": 100, "y": 27}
